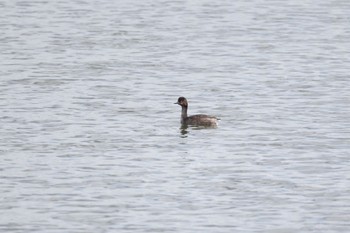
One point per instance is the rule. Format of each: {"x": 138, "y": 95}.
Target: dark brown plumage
{"x": 197, "y": 120}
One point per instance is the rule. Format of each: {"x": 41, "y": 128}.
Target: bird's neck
{"x": 183, "y": 113}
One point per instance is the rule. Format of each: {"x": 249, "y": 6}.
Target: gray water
{"x": 90, "y": 140}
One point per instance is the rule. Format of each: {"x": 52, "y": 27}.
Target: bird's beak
{"x": 176, "y": 103}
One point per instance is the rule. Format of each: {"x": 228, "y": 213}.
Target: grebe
{"x": 196, "y": 120}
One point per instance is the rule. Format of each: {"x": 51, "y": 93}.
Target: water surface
{"x": 91, "y": 140}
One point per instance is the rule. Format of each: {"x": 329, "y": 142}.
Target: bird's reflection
{"x": 184, "y": 131}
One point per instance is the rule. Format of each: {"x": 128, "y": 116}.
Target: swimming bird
{"x": 196, "y": 120}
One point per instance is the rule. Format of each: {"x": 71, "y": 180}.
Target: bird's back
{"x": 201, "y": 120}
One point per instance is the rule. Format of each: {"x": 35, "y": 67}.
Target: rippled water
{"x": 91, "y": 140}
